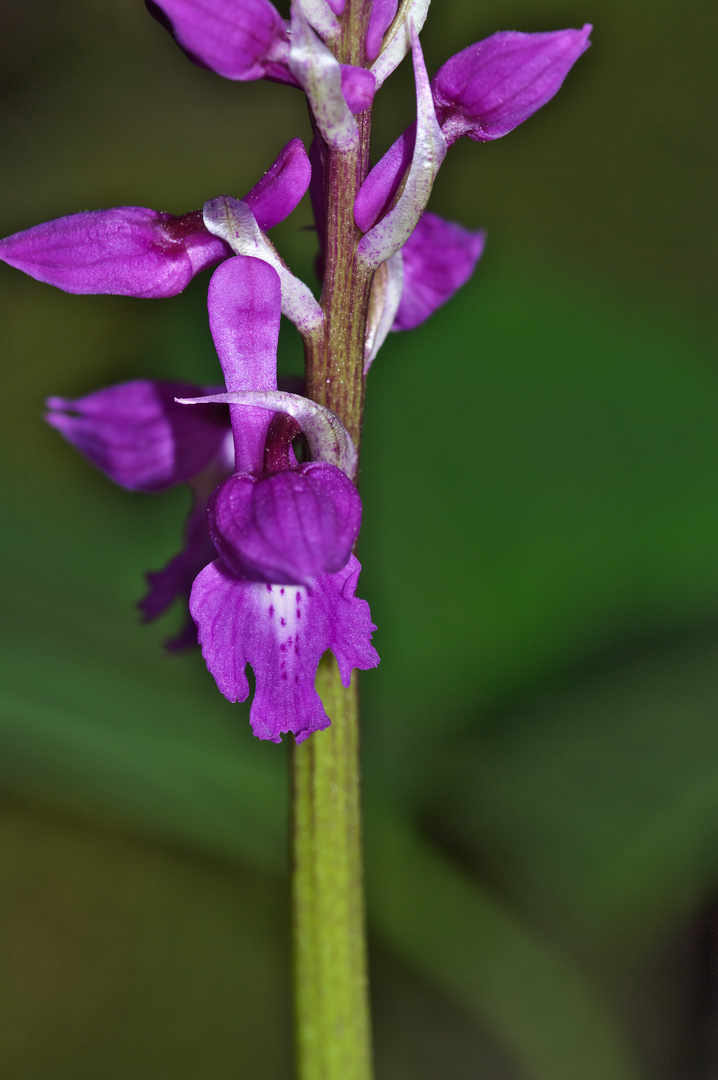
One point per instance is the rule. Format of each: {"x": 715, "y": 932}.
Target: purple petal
{"x": 439, "y": 257}
{"x": 239, "y": 39}
{"x": 127, "y": 251}
{"x": 358, "y": 87}
{"x": 491, "y": 87}
{"x": 282, "y": 631}
{"x": 337, "y": 6}
{"x": 138, "y": 435}
{"x": 175, "y": 580}
{"x": 286, "y": 528}
{"x": 381, "y": 185}
{"x": 244, "y": 302}
{"x": 282, "y": 186}
{"x": 381, "y": 18}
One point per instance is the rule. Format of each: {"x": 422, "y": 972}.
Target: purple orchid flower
{"x": 491, "y": 87}
{"x": 483, "y": 92}
{"x": 132, "y": 251}
{"x": 139, "y": 436}
{"x": 283, "y": 591}
{"x": 267, "y": 562}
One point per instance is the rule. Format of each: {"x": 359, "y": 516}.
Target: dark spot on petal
{"x": 271, "y": 611}
{"x": 283, "y": 622}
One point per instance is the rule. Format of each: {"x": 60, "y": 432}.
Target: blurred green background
{"x": 540, "y": 551}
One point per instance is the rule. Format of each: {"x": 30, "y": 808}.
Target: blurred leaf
{"x": 597, "y": 805}
{"x": 93, "y": 716}
{"x": 463, "y": 939}
{"x": 540, "y": 474}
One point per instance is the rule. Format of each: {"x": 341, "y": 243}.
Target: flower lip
{"x": 282, "y": 633}
{"x": 287, "y": 527}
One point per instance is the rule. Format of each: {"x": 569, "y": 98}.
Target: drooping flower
{"x": 139, "y": 436}
{"x": 283, "y": 591}
{"x": 133, "y": 251}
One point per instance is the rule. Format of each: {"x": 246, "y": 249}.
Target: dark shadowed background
{"x": 540, "y": 552}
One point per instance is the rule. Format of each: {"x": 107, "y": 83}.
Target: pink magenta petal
{"x": 486, "y": 90}
{"x": 138, "y": 435}
{"x": 245, "y": 303}
{"x": 282, "y": 186}
{"x": 439, "y": 257}
{"x": 282, "y": 632}
{"x": 127, "y": 251}
{"x": 288, "y": 527}
{"x": 238, "y": 39}
{"x": 381, "y": 18}
{"x": 382, "y": 183}
{"x": 358, "y": 87}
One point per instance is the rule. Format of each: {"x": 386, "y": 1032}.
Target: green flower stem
{"x": 330, "y": 980}
{"x": 331, "y": 1003}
